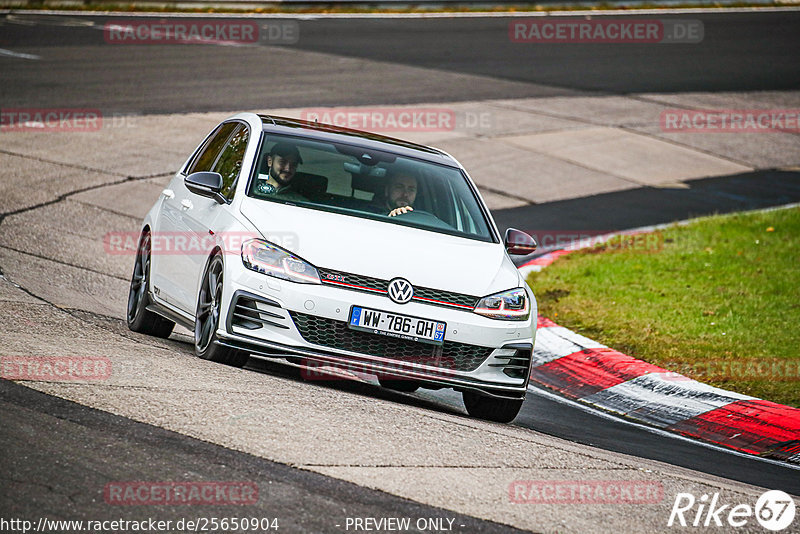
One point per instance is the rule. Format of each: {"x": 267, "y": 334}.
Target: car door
{"x": 204, "y": 218}
{"x": 170, "y": 259}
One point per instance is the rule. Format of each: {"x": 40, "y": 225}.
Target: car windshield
{"x": 370, "y": 184}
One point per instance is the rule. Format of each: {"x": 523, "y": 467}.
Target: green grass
{"x": 717, "y": 300}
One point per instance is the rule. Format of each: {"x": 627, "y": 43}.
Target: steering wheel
{"x": 422, "y": 217}
{"x": 415, "y": 213}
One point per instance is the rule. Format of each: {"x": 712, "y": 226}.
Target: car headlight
{"x": 511, "y": 305}
{"x": 264, "y": 257}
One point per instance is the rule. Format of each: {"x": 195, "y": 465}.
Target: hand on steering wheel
{"x": 397, "y": 211}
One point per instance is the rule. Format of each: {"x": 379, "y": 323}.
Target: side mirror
{"x": 519, "y": 243}
{"x": 206, "y": 184}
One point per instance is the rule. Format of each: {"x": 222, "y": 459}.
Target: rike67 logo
{"x": 774, "y": 510}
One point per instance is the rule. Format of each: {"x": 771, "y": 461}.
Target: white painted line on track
{"x": 11, "y": 53}
{"x": 45, "y": 20}
{"x": 659, "y": 432}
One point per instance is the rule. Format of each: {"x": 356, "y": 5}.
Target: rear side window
{"x": 230, "y": 161}
{"x": 205, "y": 159}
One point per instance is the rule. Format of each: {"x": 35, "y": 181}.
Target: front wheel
{"x": 206, "y": 319}
{"x": 139, "y": 319}
{"x": 491, "y": 408}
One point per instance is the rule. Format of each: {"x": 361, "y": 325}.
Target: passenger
{"x": 282, "y": 161}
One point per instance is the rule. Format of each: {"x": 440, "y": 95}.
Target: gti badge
{"x": 400, "y": 290}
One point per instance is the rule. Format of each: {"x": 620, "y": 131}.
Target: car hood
{"x": 384, "y": 250}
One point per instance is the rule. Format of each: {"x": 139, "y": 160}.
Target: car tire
{"x": 139, "y": 319}
{"x": 404, "y": 386}
{"x": 206, "y": 321}
{"x": 491, "y": 408}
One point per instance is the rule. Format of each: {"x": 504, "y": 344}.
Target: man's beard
{"x": 276, "y": 175}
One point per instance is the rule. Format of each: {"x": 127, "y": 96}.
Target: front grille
{"x": 336, "y": 334}
{"x": 445, "y": 297}
{"x": 353, "y": 281}
{"x": 435, "y": 297}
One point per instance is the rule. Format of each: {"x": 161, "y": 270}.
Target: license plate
{"x": 396, "y": 325}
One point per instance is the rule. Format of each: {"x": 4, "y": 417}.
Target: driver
{"x": 400, "y": 194}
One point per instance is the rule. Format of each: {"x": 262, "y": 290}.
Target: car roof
{"x": 331, "y": 133}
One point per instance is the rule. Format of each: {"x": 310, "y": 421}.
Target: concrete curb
{"x": 584, "y": 370}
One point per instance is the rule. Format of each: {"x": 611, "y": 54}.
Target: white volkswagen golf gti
{"x": 328, "y": 247}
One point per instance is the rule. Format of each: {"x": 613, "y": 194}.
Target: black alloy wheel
{"x": 206, "y": 323}
{"x": 139, "y": 318}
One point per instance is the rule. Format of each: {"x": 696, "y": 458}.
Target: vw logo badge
{"x": 400, "y": 290}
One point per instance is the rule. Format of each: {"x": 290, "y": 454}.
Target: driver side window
{"x": 229, "y": 163}
{"x": 208, "y": 154}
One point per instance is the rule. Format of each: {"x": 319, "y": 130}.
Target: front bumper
{"x": 283, "y": 319}
{"x": 366, "y": 364}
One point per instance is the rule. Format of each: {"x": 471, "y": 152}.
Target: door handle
{"x": 186, "y": 204}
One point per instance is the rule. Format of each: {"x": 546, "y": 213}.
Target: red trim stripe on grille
{"x": 453, "y": 304}
{"x": 353, "y": 285}
{"x": 442, "y": 302}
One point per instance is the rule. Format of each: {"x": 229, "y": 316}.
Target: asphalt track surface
{"x": 91, "y": 445}
{"x": 740, "y": 52}
{"x": 748, "y": 52}
{"x": 649, "y": 206}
